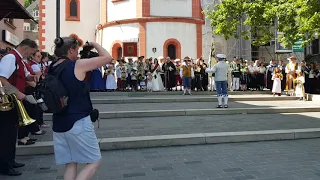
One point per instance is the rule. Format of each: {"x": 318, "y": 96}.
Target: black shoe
{"x": 219, "y": 106}
{"x": 18, "y": 165}
{"x": 40, "y": 133}
{"x": 225, "y": 106}
{"x": 11, "y": 172}
{"x": 20, "y": 143}
{"x": 32, "y": 139}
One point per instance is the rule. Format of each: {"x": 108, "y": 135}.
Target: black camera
{"x": 87, "y": 52}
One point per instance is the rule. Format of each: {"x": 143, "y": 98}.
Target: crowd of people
{"x": 164, "y": 74}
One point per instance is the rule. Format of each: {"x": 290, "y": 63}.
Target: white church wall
{"x": 122, "y": 33}
{"x": 85, "y": 28}
{"x": 121, "y": 10}
{"x": 159, "y": 32}
{"x": 178, "y": 8}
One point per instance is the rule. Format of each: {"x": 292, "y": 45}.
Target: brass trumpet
{"x": 8, "y": 102}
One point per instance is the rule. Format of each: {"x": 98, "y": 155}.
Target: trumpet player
{"x": 13, "y": 77}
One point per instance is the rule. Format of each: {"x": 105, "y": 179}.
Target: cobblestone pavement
{"x": 273, "y": 160}
{"x": 202, "y": 105}
{"x": 124, "y": 127}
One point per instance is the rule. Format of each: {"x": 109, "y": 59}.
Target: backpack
{"x": 50, "y": 92}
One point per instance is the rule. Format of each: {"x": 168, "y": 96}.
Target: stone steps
{"x": 105, "y": 115}
{"x": 42, "y": 148}
{"x": 144, "y": 93}
{"x": 159, "y": 99}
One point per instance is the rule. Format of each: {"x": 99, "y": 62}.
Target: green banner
{"x": 297, "y": 47}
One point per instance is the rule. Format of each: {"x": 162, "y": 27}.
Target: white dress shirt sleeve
{"x": 7, "y": 66}
{"x": 35, "y": 68}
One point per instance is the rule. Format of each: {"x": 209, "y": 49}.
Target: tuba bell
{"x": 5, "y": 104}
{"x": 8, "y": 102}
{"x": 24, "y": 119}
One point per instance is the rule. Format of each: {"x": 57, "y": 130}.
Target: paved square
{"x": 273, "y": 160}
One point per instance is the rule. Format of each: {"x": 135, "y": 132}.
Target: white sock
{"x": 225, "y": 100}
{"x": 184, "y": 91}
{"x": 220, "y": 100}
{"x": 189, "y": 91}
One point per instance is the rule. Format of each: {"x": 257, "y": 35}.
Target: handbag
{"x": 94, "y": 115}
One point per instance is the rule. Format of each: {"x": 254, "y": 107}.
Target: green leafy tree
{"x": 297, "y": 19}
{"x": 27, "y": 2}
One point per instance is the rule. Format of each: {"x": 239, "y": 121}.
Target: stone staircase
{"x": 141, "y": 119}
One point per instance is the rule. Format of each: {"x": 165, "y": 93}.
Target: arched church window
{"x": 172, "y": 51}
{"x": 72, "y": 10}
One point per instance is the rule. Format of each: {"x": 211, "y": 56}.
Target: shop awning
{"x": 14, "y": 10}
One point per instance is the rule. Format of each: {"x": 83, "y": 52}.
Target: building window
{"x": 72, "y": 10}
{"x": 36, "y": 13}
{"x": 26, "y": 27}
{"x": 10, "y": 23}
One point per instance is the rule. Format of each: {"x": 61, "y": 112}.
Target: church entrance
{"x": 119, "y": 52}
{"x": 172, "y": 51}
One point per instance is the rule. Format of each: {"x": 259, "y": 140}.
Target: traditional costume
{"x": 111, "y": 84}
{"x": 170, "y": 74}
{"x": 276, "y": 87}
{"x": 220, "y": 71}
{"x": 121, "y": 73}
{"x": 235, "y": 76}
{"x": 187, "y": 73}
{"x": 178, "y": 77}
{"x": 291, "y": 70}
{"x": 299, "y": 91}
{"x": 212, "y": 62}
{"x": 269, "y": 75}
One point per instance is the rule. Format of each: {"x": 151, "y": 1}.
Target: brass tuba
{"x": 8, "y": 102}
{"x": 5, "y": 104}
{"x": 24, "y": 119}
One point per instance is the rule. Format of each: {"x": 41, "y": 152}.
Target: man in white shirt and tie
{"x": 221, "y": 77}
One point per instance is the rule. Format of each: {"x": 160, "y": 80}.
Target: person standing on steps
{"x": 220, "y": 71}
{"x": 74, "y": 138}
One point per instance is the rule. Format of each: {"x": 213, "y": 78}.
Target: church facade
{"x": 129, "y": 28}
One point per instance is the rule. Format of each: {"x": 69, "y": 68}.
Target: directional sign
{"x": 297, "y": 47}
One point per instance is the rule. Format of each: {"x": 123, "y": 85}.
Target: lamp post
{"x": 58, "y": 19}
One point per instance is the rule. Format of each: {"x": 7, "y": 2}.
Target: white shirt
{"x": 36, "y": 68}
{"x": 220, "y": 71}
{"x": 252, "y": 69}
{"x": 8, "y": 65}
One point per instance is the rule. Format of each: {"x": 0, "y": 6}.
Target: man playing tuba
{"x": 13, "y": 77}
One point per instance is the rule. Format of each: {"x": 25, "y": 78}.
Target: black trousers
{"x": 8, "y": 137}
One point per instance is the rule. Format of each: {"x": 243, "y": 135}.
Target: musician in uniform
{"x": 13, "y": 76}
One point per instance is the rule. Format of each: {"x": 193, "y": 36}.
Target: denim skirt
{"x": 78, "y": 145}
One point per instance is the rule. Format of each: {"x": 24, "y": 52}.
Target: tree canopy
{"x": 27, "y": 2}
{"x": 297, "y": 19}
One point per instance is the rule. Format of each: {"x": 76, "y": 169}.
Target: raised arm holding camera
{"x": 74, "y": 137}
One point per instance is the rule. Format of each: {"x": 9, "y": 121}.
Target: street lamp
{"x": 58, "y": 19}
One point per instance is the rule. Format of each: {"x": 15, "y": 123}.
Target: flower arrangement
{"x": 296, "y": 81}
{"x": 279, "y": 75}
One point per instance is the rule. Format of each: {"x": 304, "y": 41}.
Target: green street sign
{"x": 297, "y": 47}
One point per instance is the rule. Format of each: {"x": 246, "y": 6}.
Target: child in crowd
{"x": 299, "y": 91}
{"x": 134, "y": 79}
{"x": 149, "y": 82}
{"x": 276, "y": 77}
{"x": 111, "y": 84}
